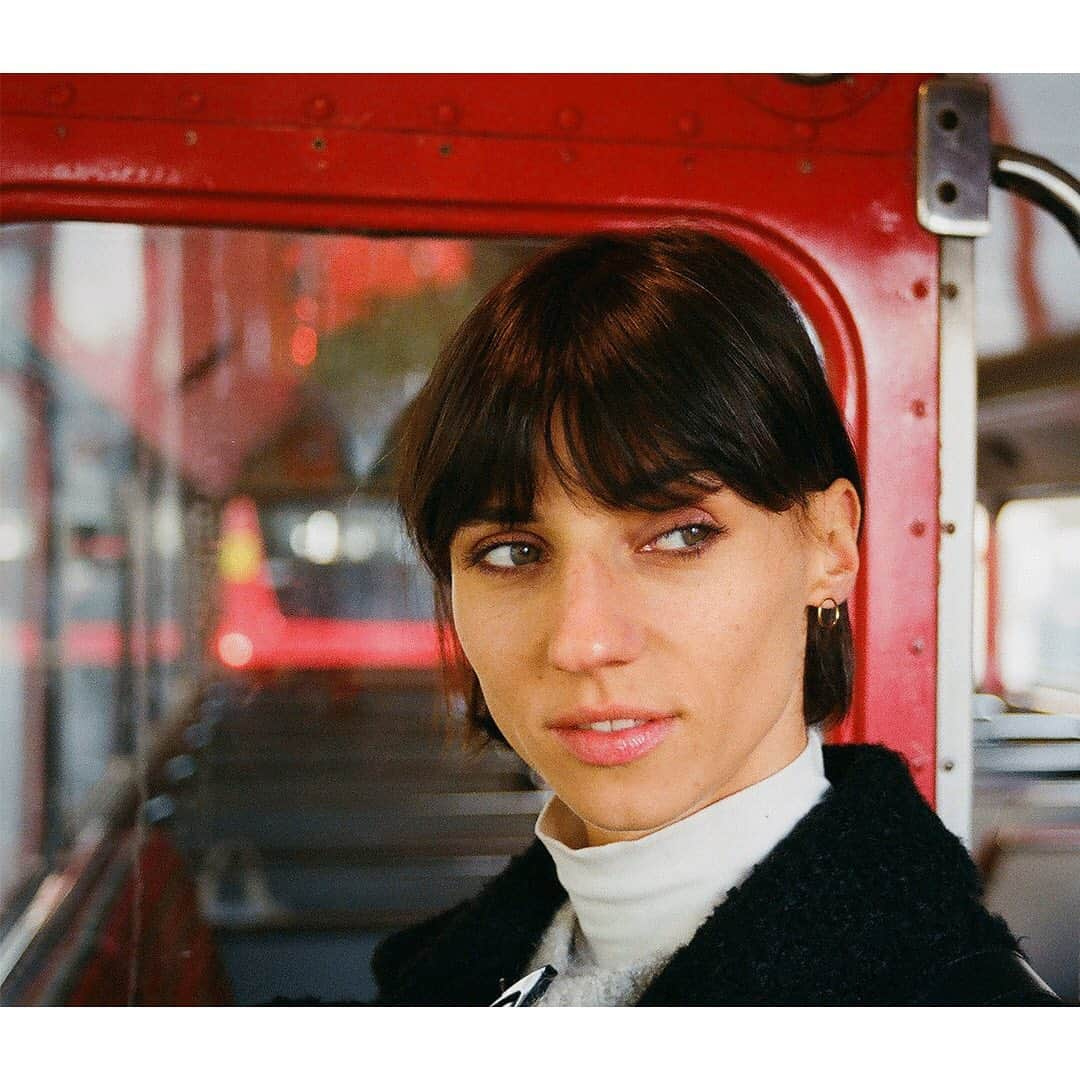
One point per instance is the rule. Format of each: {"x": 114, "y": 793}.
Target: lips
{"x": 613, "y": 735}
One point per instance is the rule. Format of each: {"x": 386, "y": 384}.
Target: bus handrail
{"x": 1040, "y": 181}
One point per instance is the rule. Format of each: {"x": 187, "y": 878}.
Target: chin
{"x": 632, "y": 815}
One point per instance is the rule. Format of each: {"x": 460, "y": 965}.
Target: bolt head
{"x": 569, "y": 118}
{"x": 320, "y": 107}
{"x": 60, "y": 94}
{"x": 689, "y": 124}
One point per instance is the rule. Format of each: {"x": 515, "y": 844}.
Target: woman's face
{"x": 682, "y": 631}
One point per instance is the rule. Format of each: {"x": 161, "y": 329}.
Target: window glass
{"x": 1039, "y": 615}
{"x": 22, "y": 555}
{"x": 207, "y": 604}
{"x": 980, "y": 597}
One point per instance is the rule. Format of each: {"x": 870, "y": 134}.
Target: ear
{"x": 834, "y": 525}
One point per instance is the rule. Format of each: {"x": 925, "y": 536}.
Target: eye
{"x": 683, "y": 538}
{"x": 508, "y": 556}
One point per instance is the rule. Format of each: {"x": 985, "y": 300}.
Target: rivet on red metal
{"x": 319, "y": 108}
{"x": 61, "y": 94}
{"x": 689, "y": 124}
{"x": 568, "y": 118}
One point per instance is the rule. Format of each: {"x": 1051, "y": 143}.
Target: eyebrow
{"x": 494, "y": 515}
{"x": 504, "y": 516}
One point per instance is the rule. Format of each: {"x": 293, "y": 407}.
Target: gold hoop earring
{"x": 828, "y": 613}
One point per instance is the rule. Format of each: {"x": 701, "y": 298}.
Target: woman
{"x": 641, "y": 510}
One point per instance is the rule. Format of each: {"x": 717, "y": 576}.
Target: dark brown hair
{"x": 662, "y": 359}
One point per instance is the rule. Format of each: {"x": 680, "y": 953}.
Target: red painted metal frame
{"x": 816, "y": 181}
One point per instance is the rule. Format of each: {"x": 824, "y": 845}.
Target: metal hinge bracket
{"x": 954, "y": 158}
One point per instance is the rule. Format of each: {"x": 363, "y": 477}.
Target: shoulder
{"x": 917, "y": 882}
{"x": 998, "y": 976}
{"x": 397, "y": 952}
{"x": 463, "y": 956}
{"x": 865, "y": 901}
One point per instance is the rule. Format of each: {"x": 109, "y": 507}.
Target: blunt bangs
{"x": 643, "y": 371}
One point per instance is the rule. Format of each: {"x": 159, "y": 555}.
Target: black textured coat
{"x": 865, "y": 901}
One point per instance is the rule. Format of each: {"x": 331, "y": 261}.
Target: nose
{"x": 593, "y": 621}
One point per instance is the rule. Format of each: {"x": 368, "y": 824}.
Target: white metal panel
{"x": 956, "y": 513}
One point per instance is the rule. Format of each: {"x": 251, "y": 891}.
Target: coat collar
{"x": 866, "y": 894}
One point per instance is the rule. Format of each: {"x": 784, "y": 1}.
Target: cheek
{"x": 493, "y": 639}
{"x": 748, "y": 627}
{"x": 469, "y": 619}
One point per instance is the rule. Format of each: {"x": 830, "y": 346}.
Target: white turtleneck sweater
{"x": 633, "y": 903}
